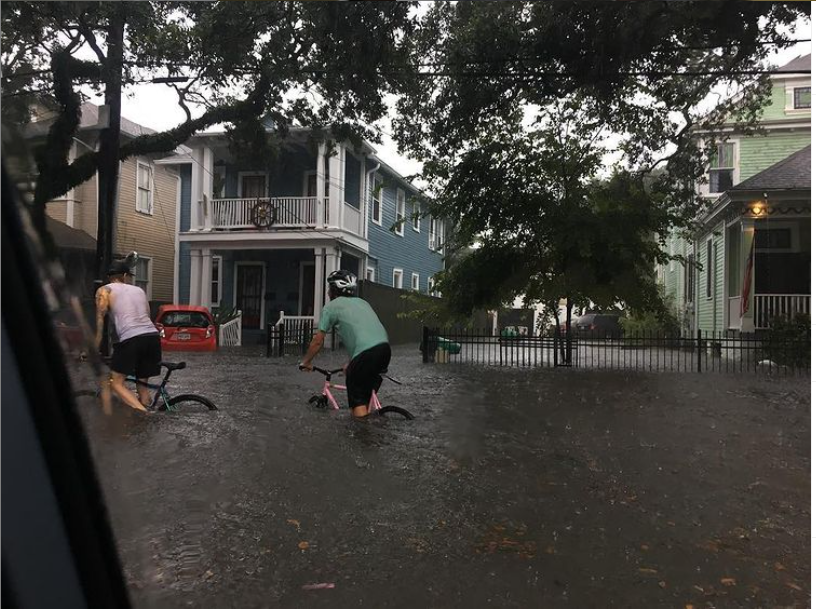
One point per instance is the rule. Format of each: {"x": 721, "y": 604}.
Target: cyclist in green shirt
{"x": 363, "y": 336}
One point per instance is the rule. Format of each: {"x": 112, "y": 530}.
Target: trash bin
{"x": 443, "y": 344}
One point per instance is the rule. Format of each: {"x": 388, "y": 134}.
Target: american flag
{"x": 746, "y": 284}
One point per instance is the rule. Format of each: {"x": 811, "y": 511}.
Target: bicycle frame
{"x": 373, "y": 404}
{"x": 161, "y": 392}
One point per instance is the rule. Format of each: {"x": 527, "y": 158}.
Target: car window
{"x": 186, "y": 319}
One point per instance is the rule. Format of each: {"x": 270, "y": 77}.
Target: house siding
{"x": 58, "y": 210}
{"x": 710, "y": 311}
{"x": 388, "y": 251}
{"x": 153, "y": 236}
{"x": 759, "y": 152}
{"x": 85, "y": 211}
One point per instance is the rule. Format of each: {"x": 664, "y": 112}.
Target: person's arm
{"x": 102, "y": 306}
{"x": 314, "y": 348}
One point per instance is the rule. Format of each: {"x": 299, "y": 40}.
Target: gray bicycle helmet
{"x": 343, "y": 282}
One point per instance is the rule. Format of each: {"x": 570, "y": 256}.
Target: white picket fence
{"x": 293, "y": 325}
{"x": 229, "y": 334}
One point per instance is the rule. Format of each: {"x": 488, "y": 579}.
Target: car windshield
{"x": 185, "y": 319}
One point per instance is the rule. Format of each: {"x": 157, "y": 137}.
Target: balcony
{"x": 287, "y": 212}
{"x": 274, "y": 213}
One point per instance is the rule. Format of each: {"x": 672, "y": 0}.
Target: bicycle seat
{"x": 171, "y": 366}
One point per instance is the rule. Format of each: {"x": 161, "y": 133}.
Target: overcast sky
{"x": 155, "y": 106}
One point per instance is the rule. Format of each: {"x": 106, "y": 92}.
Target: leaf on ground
{"x": 647, "y": 570}
{"x": 794, "y": 586}
{"x": 304, "y": 545}
{"x": 644, "y": 547}
{"x": 700, "y": 589}
{"x": 779, "y": 566}
{"x": 689, "y": 606}
{"x": 728, "y": 581}
{"x": 294, "y": 522}
{"x": 662, "y": 584}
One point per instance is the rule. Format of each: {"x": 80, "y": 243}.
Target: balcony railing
{"x": 769, "y": 306}
{"x": 289, "y": 212}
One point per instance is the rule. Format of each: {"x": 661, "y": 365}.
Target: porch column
{"x": 747, "y": 224}
{"x": 195, "y": 277}
{"x": 332, "y": 264}
{"x": 206, "y": 277}
{"x": 341, "y": 178}
{"x": 207, "y": 172}
{"x": 320, "y": 186}
{"x": 363, "y": 229}
{"x": 196, "y": 188}
{"x": 335, "y": 190}
{"x": 319, "y": 283}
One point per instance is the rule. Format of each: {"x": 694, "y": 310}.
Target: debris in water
{"x": 326, "y": 586}
{"x": 304, "y": 545}
{"x": 294, "y": 522}
{"x": 728, "y": 581}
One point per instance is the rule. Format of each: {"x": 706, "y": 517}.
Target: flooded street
{"x": 511, "y": 488}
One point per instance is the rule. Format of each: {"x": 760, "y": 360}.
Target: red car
{"x": 186, "y": 328}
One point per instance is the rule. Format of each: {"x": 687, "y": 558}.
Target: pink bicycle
{"x": 326, "y": 399}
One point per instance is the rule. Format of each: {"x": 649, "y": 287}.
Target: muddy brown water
{"x": 511, "y": 488}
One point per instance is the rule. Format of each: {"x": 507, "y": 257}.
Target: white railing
{"x": 295, "y": 325}
{"x": 229, "y": 334}
{"x": 290, "y": 212}
{"x": 352, "y": 219}
{"x": 769, "y": 306}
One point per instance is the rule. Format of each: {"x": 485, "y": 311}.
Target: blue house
{"x": 262, "y": 237}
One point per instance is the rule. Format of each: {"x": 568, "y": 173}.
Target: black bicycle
{"x": 325, "y": 399}
{"x": 162, "y": 400}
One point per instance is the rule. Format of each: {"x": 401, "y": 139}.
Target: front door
{"x": 307, "y": 281}
{"x": 249, "y": 293}
{"x": 253, "y": 187}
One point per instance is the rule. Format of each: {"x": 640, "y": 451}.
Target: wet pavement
{"x": 511, "y": 488}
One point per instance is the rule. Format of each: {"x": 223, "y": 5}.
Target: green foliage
{"x": 649, "y": 325}
{"x": 513, "y": 130}
{"x": 787, "y": 342}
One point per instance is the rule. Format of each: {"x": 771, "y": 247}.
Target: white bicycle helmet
{"x": 343, "y": 282}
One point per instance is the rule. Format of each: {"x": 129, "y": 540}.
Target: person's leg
{"x": 148, "y": 364}
{"x": 125, "y": 394}
{"x": 355, "y": 387}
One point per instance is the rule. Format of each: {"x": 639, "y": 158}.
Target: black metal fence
{"x": 293, "y": 338}
{"x": 705, "y": 352}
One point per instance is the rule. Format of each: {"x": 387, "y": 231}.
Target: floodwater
{"x": 511, "y": 488}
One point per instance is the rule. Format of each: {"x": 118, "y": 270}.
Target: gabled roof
{"x": 791, "y": 173}
{"x": 800, "y": 63}
{"x": 66, "y": 237}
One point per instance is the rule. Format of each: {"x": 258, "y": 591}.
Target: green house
{"x": 754, "y": 247}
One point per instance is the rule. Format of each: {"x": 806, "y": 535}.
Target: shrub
{"x": 787, "y": 342}
{"x": 222, "y": 315}
{"x": 649, "y": 324}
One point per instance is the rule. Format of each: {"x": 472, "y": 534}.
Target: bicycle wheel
{"x": 187, "y": 402}
{"x": 386, "y": 410}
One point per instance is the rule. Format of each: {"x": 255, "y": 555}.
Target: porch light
{"x": 757, "y": 208}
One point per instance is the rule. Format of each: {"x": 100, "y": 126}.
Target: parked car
{"x": 597, "y": 325}
{"x": 186, "y": 328}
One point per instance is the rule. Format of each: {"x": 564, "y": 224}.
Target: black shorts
{"x": 363, "y": 374}
{"x": 139, "y": 356}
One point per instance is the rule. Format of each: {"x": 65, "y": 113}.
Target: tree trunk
{"x": 109, "y": 145}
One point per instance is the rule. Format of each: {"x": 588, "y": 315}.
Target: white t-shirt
{"x": 130, "y": 310}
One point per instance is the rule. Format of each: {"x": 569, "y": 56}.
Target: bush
{"x": 787, "y": 342}
{"x": 640, "y": 325}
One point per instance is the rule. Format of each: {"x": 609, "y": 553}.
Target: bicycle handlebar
{"x": 324, "y": 372}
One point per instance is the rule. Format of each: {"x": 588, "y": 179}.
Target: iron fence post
{"x": 699, "y": 350}
{"x": 281, "y": 338}
{"x": 268, "y": 340}
{"x": 424, "y": 347}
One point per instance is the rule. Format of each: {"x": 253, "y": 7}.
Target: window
{"x": 415, "y": 282}
{"x": 219, "y": 181}
{"x": 215, "y": 290}
{"x": 415, "y": 219}
{"x": 376, "y": 202}
{"x": 310, "y": 184}
{"x": 801, "y": 98}
{"x": 185, "y": 319}
{"x": 371, "y": 274}
{"x": 144, "y": 188}
{"x": 432, "y": 291}
{"x": 709, "y": 267}
{"x": 400, "y": 224}
{"x": 398, "y": 278}
{"x": 432, "y": 234}
{"x": 141, "y": 274}
{"x": 774, "y": 239}
{"x": 690, "y": 278}
{"x": 721, "y": 172}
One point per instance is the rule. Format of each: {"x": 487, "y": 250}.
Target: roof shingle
{"x": 791, "y": 173}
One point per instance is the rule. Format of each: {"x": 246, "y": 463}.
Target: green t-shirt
{"x": 356, "y": 322}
